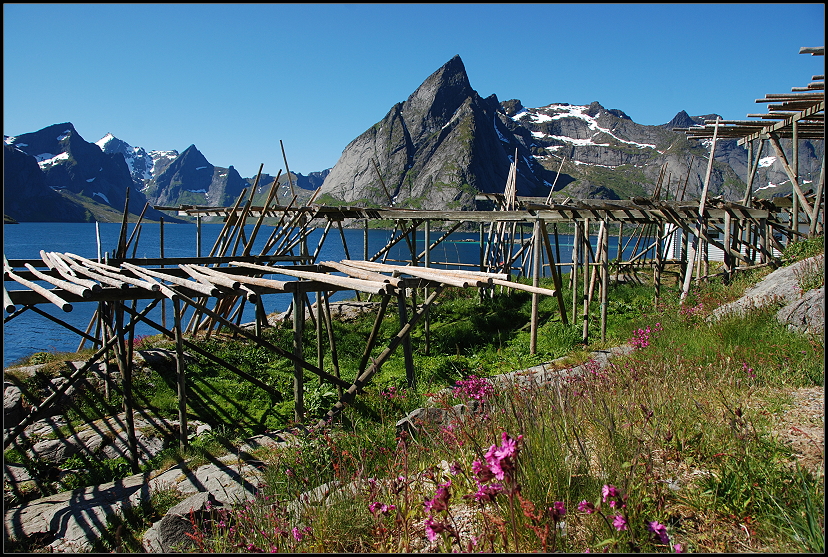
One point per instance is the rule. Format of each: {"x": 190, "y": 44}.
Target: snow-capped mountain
{"x": 142, "y": 165}
{"x": 445, "y": 143}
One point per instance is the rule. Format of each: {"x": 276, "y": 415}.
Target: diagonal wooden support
{"x": 349, "y": 395}
{"x": 260, "y": 341}
{"x": 58, "y": 392}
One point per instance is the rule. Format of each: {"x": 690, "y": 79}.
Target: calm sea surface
{"x": 28, "y": 332}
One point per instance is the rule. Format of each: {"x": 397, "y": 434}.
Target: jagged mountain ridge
{"x": 142, "y": 165}
{"x": 435, "y": 150}
{"x": 80, "y": 172}
{"x": 445, "y": 143}
{"x": 439, "y": 148}
{"x": 54, "y": 175}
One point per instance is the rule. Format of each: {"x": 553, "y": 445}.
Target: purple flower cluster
{"x": 498, "y": 464}
{"x": 611, "y": 496}
{"x": 641, "y": 337}
{"x": 393, "y": 392}
{"x": 381, "y": 508}
{"x": 690, "y": 312}
{"x": 477, "y": 388}
{"x": 438, "y": 503}
{"x": 659, "y": 531}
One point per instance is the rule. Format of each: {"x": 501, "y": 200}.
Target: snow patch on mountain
{"x": 553, "y": 112}
{"x": 142, "y": 165}
{"x": 102, "y": 196}
{"x": 159, "y": 158}
{"x": 45, "y": 160}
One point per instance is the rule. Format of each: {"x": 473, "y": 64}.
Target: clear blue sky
{"x": 234, "y": 79}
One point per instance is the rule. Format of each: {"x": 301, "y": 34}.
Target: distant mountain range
{"x": 435, "y": 150}
{"x": 446, "y": 143}
{"x": 54, "y": 175}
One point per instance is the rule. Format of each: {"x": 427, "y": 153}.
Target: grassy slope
{"x": 682, "y": 428}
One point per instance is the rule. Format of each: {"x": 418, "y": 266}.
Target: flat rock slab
{"x": 75, "y": 519}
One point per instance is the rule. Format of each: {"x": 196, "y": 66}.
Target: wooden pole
{"x": 585, "y": 267}
{"x": 372, "y": 336}
{"x": 727, "y": 266}
{"x": 818, "y": 201}
{"x": 98, "y": 239}
{"x": 410, "y": 377}
{"x": 161, "y": 247}
{"x": 320, "y": 353}
{"x": 298, "y": 376}
{"x": 331, "y": 340}
{"x": 604, "y": 280}
{"x": 427, "y": 322}
{"x": 691, "y": 257}
{"x": 556, "y": 276}
{"x": 198, "y": 236}
{"x": 180, "y": 375}
{"x": 659, "y": 263}
{"x": 481, "y": 239}
{"x": 574, "y": 272}
{"x": 365, "y": 240}
{"x": 536, "y": 252}
{"x": 774, "y": 139}
{"x": 287, "y": 168}
{"x": 125, "y": 368}
{"x": 121, "y": 249}
{"x": 249, "y": 244}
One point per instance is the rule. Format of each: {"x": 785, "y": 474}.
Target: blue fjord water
{"x": 28, "y": 332}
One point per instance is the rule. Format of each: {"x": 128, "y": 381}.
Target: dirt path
{"x": 803, "y": 428}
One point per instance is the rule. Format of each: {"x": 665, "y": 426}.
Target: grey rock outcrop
{"x": 807, "y": 314}
{"x": 170, "y": 533}
{"x": 12, "y": 405}
{"x": 781, "y": 286}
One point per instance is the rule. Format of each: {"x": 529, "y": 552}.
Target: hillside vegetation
{"x": 673, "y": 448}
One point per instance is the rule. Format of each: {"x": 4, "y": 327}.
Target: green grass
{"x": 682, "y": 427}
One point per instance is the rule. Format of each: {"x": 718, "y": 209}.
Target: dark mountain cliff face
{"x": 436, "y": 150}
{"x": 68, "y": 162}
{"x": 27, "y": 198}
{"x": 190, "y": 179}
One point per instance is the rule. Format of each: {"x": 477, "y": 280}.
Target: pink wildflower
{"x": 297, "y": 534}
{"x": 557, "y": 511}
{"x": 477, "y": 388}
{"x": 677, "y": 548}
{"x": 500, "y": 458}
{"x": 586, "y": 507}
{"x": 619, "y": 522}
{"x": 440, "y": 500}
{"x": 433, "y": 529}
{"x": 659, "y": 531}
{"x": 485, "y": 492}
{"x": 608, "y": 491}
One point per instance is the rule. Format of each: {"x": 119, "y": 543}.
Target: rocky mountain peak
{"x": 192, "y": 157}
{"x": 680, "y": 120}
{"x": 434, "y": 102}
{"x": 512, "y": 107}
